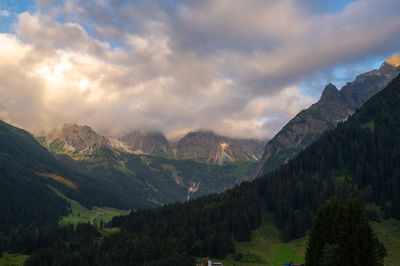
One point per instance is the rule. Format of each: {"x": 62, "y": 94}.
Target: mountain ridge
{"x": 141, "y": 165}
{"x": 206, "y": 146}
{"x": 334, "y": 106}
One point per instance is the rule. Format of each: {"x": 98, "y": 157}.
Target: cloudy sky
{"x": 242, "y": 68}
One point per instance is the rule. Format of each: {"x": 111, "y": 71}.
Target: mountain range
{"x": 146, "y": 165}
{"x": 200, "y": 146}
{"x": 334, "y": 106}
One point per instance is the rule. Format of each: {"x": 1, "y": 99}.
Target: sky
{"x": 242, "y": 68}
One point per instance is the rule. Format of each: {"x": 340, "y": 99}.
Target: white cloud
{"x": 4, "y": 13}
{"x": 229, "y": 66}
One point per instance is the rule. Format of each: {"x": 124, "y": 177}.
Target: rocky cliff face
{"x": 140, "y": 142}
{"x": 334, "y": 106}
{"x": 205, "y": 146}
{"x": 201, "y": 146}
{"x": 74, "y": 139}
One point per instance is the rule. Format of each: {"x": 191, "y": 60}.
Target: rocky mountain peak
{"x": 393, "y": 61}
{"x": 75, "y": 129}
{"x": 330, "y": 93}
{"x": 142, "y": 142}
{"x": 206, "y": 146}
{"x": 390, "y": 66}
{"x": 75, "y": 138}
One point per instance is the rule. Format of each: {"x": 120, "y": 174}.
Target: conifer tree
{"x": 342, "y": 235}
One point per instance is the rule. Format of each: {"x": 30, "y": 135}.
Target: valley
{"x": 207, "y": 133}
{"x": 141, "y": 164}
{"x": 80, "y": 214}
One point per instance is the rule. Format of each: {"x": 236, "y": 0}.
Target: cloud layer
{"x": 231, "y": 66}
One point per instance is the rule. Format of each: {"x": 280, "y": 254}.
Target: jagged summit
{"x": 74, "y": 138}
{"x": 330, "y": 92}
{"x": 390, "y": 64}
{"x": 206, "y": 146}
{"x": 393, "y": 60}
{"x": 201, "y": 146}
{"x": 145, "y": 142}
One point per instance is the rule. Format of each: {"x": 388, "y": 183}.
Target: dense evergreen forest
{"x": 360, "y": 159}
{"x": 170, "y": 235}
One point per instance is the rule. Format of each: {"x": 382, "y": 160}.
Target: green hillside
{"x": 118, "y": 180}
{"x": 266, "y": 247}
{"x": 361, "y": 157}
{"x": 79, "y": 214}
{"x": 25, "y": 198}
{"x": 26, "y": 171}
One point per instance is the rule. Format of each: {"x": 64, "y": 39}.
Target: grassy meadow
{"x": 80, "y": 214}
{"x": 15, "y": 259}
{"x": 266, "y": 247}
{"x": 388, "y": 232}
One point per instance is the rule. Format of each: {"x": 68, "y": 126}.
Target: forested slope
{"x": 360, "y": 157}
{"x": 26, "y": 172}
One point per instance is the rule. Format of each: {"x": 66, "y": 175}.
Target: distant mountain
{"x": 141, "y": 142}
{"x": 123, "y": 173}
{"x": 206, "y": 146}
{"x": 201, "y": 146}
{"x": 334, "y": 106}
{"x": 74, "y": 139}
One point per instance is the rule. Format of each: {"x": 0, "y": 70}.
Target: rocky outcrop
{"x": 206, "y": 146}
{"x": 75, "y": 139}
{"x": 333, "y": 106}
{"x": 140, "y": 142}
{"x": 201, "y": 146}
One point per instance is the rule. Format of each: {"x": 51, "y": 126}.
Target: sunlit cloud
{"x": 235, "y": 67}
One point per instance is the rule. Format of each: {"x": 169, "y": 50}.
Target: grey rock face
{"x": 205, "y": 146}
{"x": 75, "y": 138}
{"x": 146, "y": 142}
{"x": 202, "y": 146}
